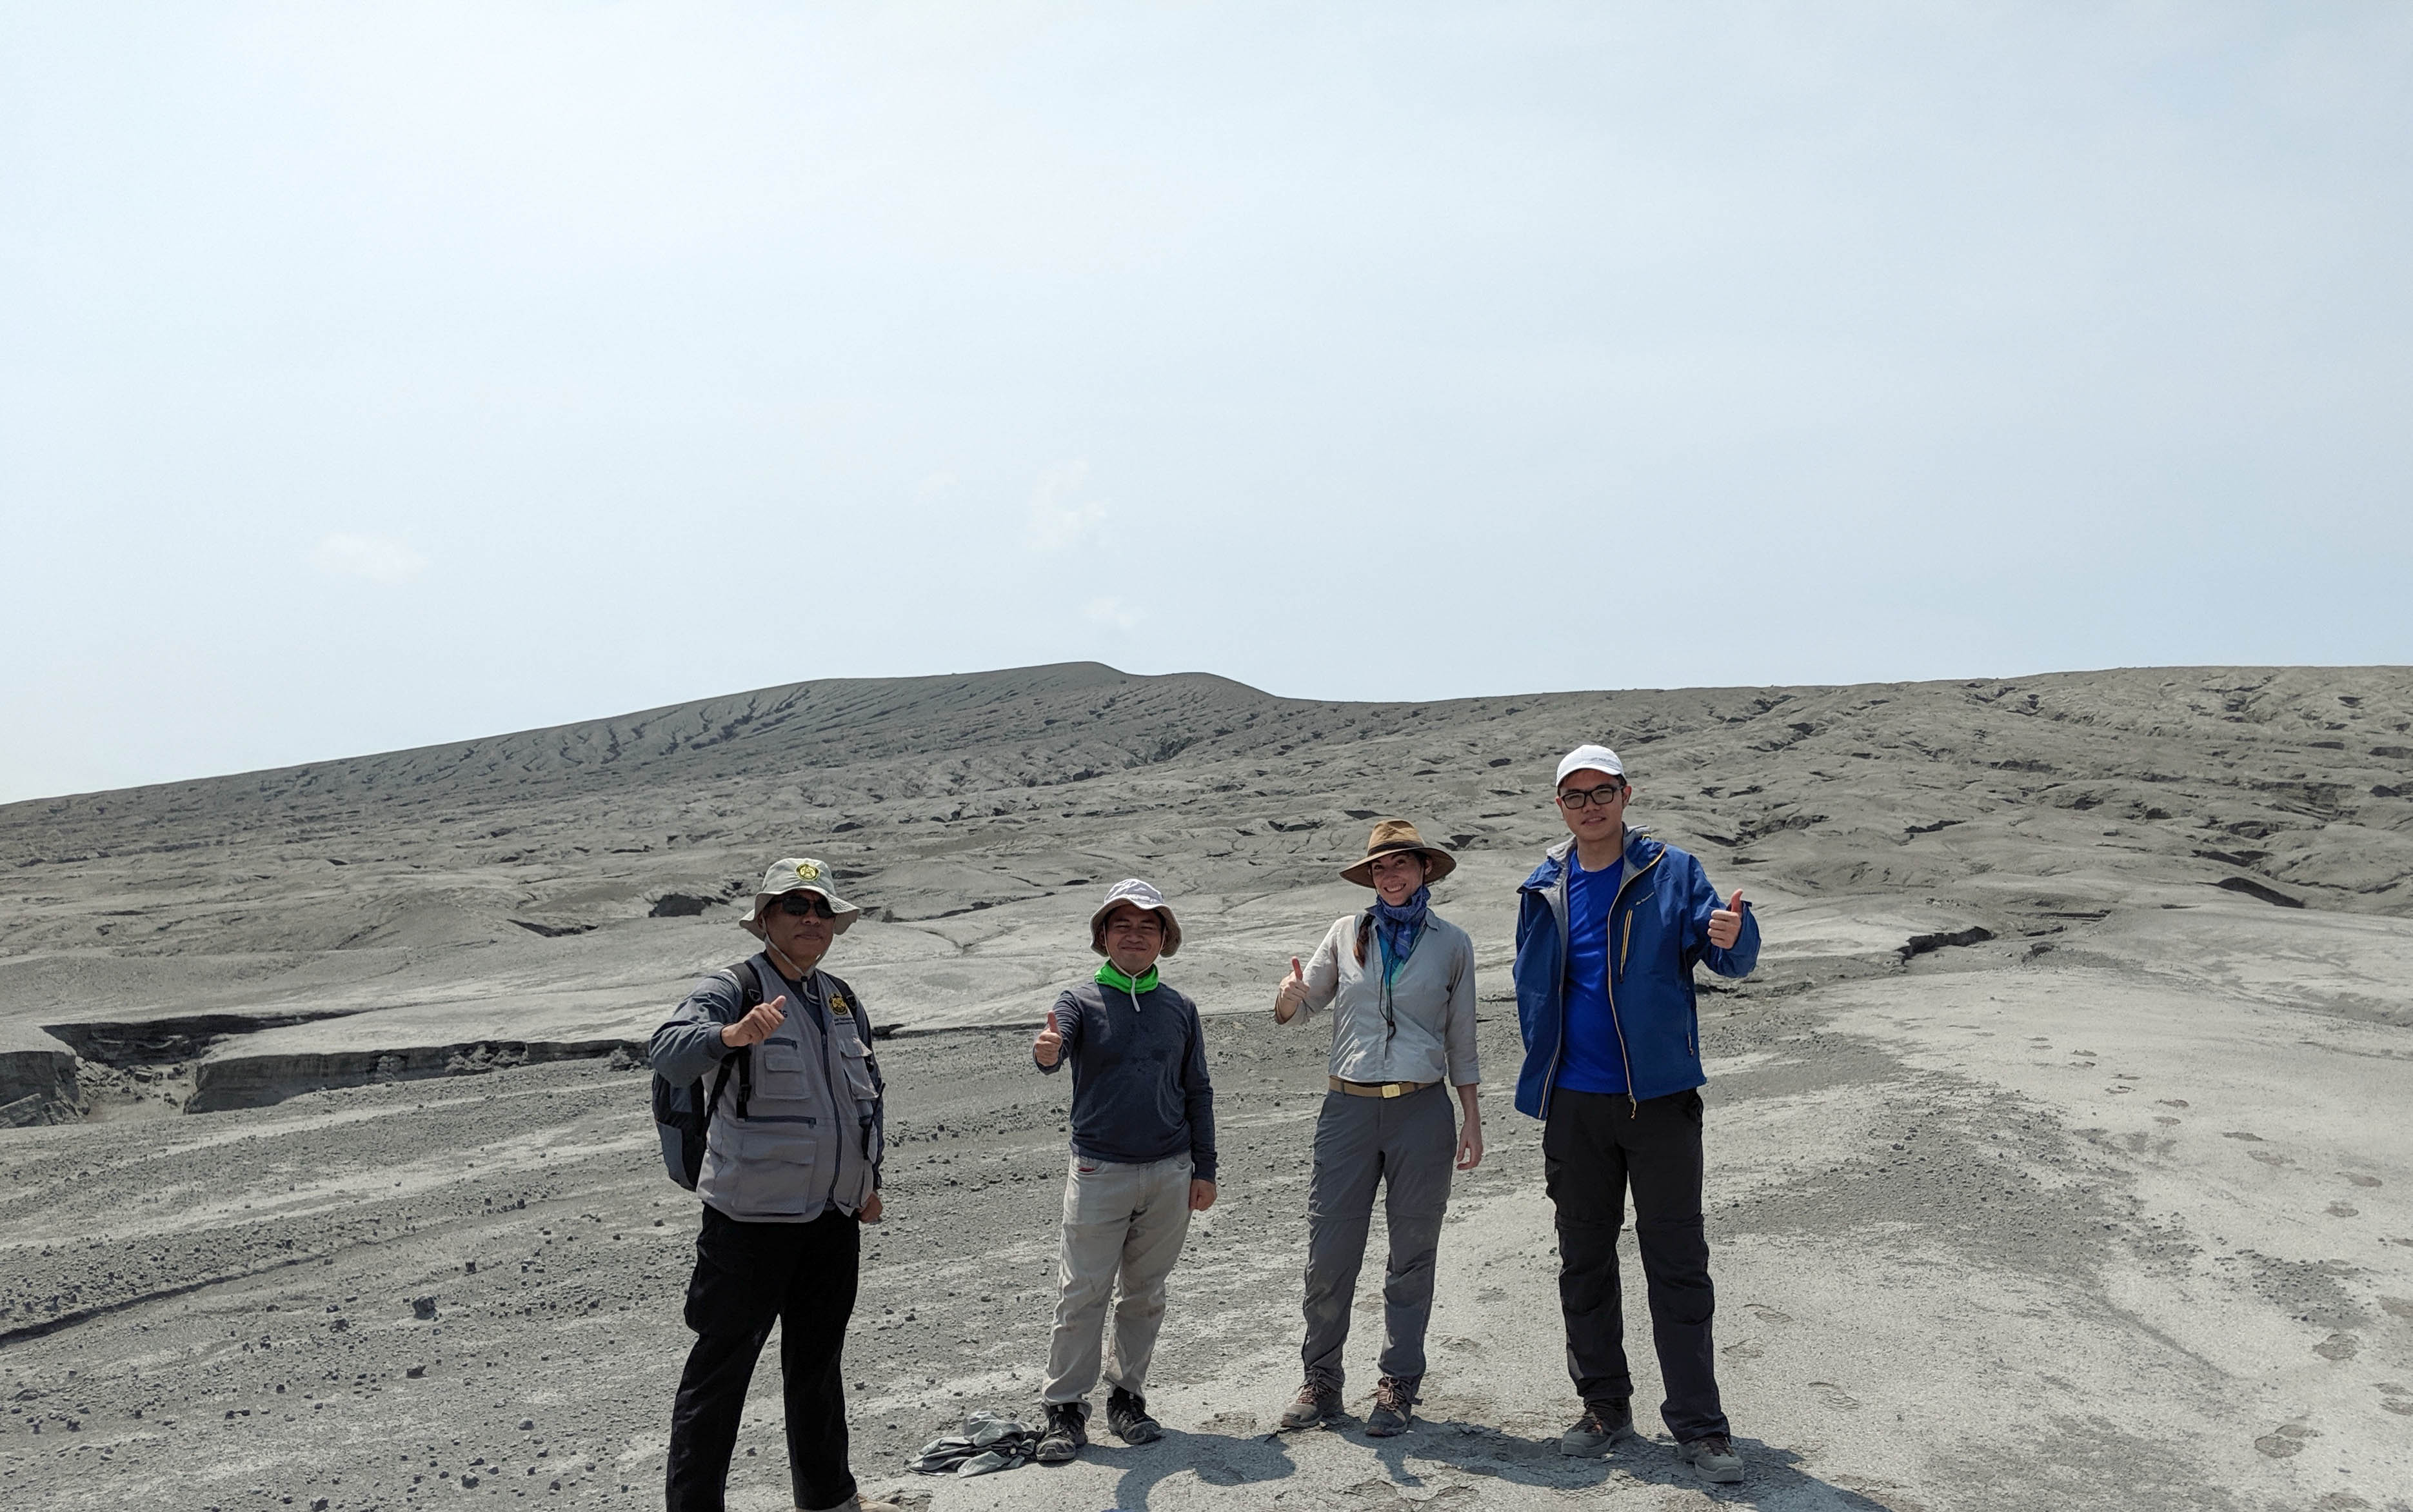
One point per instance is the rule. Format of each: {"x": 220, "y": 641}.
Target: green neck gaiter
{"x": 1112, "y": 976}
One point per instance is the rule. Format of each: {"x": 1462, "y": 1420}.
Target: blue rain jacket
{"x": 1658, "y": 928}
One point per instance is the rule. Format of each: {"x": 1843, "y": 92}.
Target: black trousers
{"x": 748, "y": 1276}
{"x": 1593, "y": 1147}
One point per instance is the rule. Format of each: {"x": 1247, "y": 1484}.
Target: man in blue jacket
{"x": 1608, "y": 929}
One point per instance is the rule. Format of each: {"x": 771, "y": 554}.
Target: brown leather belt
{"x": 1378, "y": 1089}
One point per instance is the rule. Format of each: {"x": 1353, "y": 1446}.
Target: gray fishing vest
{"x": 808, "y": 1138}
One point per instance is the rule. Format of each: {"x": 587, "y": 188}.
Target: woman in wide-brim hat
{"x": 1400, "y": 980}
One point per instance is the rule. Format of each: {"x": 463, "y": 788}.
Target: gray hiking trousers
{"x": 1406, "y": 1143}
{"x": 1123, "y": 1229}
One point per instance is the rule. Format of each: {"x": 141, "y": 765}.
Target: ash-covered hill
{"x": 573, "y": 866}
{"x": 2298, "y": 778}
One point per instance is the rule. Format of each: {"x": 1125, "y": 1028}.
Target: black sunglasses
{"x": 799, "y": 905}
{"x": 1605, "y": 794}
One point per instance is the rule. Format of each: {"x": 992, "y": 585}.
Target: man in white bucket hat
{"x": 1143, "y": 1161}
{"x": 790, "y": 1171}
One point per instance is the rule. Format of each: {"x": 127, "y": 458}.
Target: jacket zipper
{"x": 1556, "y": 900}
{"x": 1633, "y": 1107}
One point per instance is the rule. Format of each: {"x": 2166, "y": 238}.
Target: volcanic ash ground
{"x": 2058, "y": 1148}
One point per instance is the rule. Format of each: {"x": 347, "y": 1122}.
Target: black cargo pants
{"x": 1593, "y": 1147}
{"x": 749, "y": 1276}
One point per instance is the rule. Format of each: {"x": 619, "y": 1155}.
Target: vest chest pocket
{"x": 851, "y": 1056}
{"x": 781, "y": 1067}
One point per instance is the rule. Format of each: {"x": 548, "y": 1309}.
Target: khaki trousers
{"x": 1123, "y": 1229}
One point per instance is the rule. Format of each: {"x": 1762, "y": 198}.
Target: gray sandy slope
{"x": 2058, "y": 1153}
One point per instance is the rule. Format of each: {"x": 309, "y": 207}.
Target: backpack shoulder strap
{"x": 720, "y": 1085}
{"x": 749, "y": 983}
{"x": 748, "y": 979}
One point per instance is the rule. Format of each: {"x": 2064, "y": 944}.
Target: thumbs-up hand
{"x": 1292, "y": 995}
{"x": 1725, "y": 924}
{"x": 756, "y": 1026}
{"x": 1049, "y": 1046}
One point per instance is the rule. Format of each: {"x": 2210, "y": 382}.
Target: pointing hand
{"x": 1725, "y": 924}
{"x": 1050, "y": 1044}
{"x": 1292, "y": 995}
{"x": 756, "y": 1026}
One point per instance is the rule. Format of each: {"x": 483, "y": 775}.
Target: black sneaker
{"x": 1318, "y": 1401}
{"x": 1602, "y": 1424}
{"x": 1714, "y": 1458}
{"x": 1127, "y": 1415}
{"x": 1394, "y": 1400}
{"x": 1068, "y": 1432}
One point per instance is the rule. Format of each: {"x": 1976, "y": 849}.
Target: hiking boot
{"x": 1317, "y": 1402}
{"x": 1602, "y": 1424}
{"x": 1068, "y": 1432}
{"x": 1395, "y": 1400}
{"x": 1127, "y": 1415}
{"x": 1713, "y": 1457}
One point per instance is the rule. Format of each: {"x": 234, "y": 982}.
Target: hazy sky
{"x": 375, "y": 376}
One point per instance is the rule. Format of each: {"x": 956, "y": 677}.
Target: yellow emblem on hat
{"x": 807, "y": 871}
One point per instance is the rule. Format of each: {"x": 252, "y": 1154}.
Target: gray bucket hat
{"x": 1138, "y": 895}
{"x": 798, "y": 874}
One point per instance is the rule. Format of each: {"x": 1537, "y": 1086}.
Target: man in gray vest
{"x": 791, "y": 1169}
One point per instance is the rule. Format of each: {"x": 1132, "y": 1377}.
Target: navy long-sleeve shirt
{"x": 1140, "y": 1091}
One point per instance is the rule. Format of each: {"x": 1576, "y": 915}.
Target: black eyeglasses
{"x": 799, "y": 905}
{"x": 1605, "y": 794}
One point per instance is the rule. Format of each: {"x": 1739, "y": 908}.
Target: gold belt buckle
{"x": 1390, "y": 1088}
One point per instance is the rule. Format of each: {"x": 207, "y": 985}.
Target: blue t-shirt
{"x": 1592, "y": 1061}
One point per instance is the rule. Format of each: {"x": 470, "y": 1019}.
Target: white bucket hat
{"x": 1138, "y": 895}
{"x": 798, "y": 874}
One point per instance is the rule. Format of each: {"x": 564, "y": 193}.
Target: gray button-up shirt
{"x": 1431, "y": 1035}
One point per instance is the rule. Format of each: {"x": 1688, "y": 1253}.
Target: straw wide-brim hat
{"x": 798, "y": 874}
{"x": 1139, "y": 894}
{"x": 1399, "y": 835}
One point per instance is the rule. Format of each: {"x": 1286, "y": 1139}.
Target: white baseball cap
{"x": 1589, "y": 759}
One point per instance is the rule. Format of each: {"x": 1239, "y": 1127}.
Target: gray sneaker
{"x": 1067, "y": 1434}
{"x": 1713, "y": 1457}
{"x": 1602, "y": 1424}
{"x": 1127, "y": 1415}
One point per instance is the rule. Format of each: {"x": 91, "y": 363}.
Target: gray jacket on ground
{"x": 1429, "y": 1033}
{"x": 813, "y": 1132}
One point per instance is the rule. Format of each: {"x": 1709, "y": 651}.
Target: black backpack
{"x": 683, "y": 1111}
